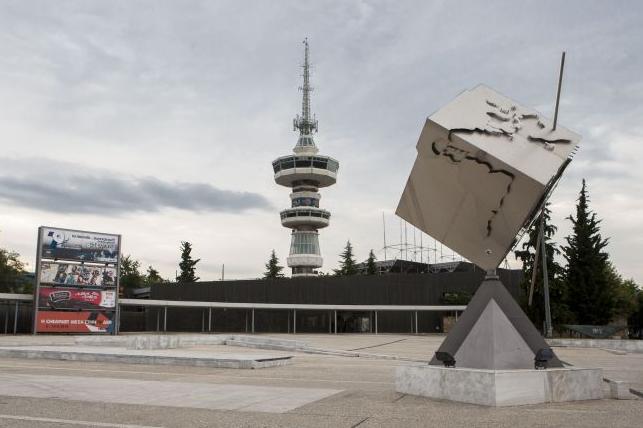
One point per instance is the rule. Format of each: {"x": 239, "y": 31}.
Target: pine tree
{"x": 557, "y": 294}
{"x": 273, "y": 269}
{"x": 590, "y": 292}
{"x": 347, "y": 264}
{"x": 188, "y": 272}
{"x": 371, "y": 268}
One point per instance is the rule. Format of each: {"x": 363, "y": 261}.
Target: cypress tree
{"x": 371, "y": 268}
{"x": 187, "y": 265}
{"x": 273, "y": 269}
{"x": 557, "y": 293}
{"x": 591, "y": 297}
{"x": 347, "y": 264}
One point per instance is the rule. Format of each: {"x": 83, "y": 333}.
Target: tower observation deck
{"x": 305, "y": 172}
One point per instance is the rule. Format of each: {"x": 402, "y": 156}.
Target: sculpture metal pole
{"x": 543, "y": 248}
{"x": 560, "y": 84}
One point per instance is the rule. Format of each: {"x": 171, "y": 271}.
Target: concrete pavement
{"x": 362, "y": 392}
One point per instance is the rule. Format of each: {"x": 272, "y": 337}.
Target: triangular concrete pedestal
{"x": 494, "y": 333}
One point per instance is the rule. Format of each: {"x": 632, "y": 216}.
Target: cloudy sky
{"x": 159, "y": 120}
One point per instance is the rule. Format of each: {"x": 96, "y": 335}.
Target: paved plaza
{"x": 326, "y": 389}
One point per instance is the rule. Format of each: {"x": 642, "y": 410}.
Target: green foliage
{"x": 273, "y": 269}
{"x": 455, "y": 298}
{"x": 154, "y": 277}
{"x": 591, "y": 289}
{"x": 557, "y": 291}
{"x": 12, "y": 271}
{"x": 131, "y": 276}
{"x": 625, "y": 294}
{"x": 347, "y": 264}
{"x": 636, "y": 319}
{"x": 371, "y": 268}
{"x": 187, "y": 265}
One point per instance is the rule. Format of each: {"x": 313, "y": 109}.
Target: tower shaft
{"x": 305, "y": 173}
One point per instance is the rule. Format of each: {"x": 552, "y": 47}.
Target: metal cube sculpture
{"x": 483, "y": 168}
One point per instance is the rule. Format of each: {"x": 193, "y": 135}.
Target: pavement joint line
{"x": 637, "y": 393}
{"x": 376, "y": 346}
{"x": 361, "y": 422}
{"x": 74, "y": 422}
{"x": 399, "y": 398}
{"x": 199, "y": 375}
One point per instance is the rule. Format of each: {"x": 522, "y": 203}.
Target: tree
{"x": 625, "y": 295}
{"x": 153, "y": 276}
{"x": 636, "y": 319}
{"x": 131, "y": 276}
{"x": 371, "y": 268}
{"x": 560, "y": 313}
{"x": 187, "y": 265}
{"x": 347, "y": 264}
{"x": 273, "y": 269}
{"x": 12, "y": 272}
{"x": 591, "y": 295}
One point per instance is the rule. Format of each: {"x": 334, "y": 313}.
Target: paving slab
{"x": 162, "y": 393}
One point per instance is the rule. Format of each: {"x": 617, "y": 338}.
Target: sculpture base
{"x": 500, "y": 387}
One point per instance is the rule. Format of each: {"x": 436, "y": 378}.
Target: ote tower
{"x": 305, "y": 172}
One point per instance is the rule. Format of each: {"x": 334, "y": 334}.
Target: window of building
{"x": 304, "y": 243}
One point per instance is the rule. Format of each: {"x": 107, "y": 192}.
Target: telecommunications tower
{"x": 305, "y": 172}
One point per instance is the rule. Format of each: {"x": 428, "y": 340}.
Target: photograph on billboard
{"x": 74, "y": 322}
{"x": 78, "y": 275}
{"x": 79, "y": 246}
{"x": 75, "y": 298}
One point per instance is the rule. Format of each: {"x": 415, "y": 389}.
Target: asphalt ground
{"x": 360, "y": 392}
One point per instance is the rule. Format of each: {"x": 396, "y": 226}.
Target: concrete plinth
{"x": 500, "y": 387}
{"x": 156, "y": 341}
{"x": 177, "y": 357}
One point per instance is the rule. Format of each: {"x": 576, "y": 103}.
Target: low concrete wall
{"x": 616, "y": 344}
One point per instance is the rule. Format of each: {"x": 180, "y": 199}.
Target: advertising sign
{"x": 75, "y": 298}
{"x": 76, "y": 281}
{"x": 74, "y": 322}
{"x": 81, "y": 275}
{"x": 79, "y": 246}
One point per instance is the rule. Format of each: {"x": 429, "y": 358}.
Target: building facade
{"x": 305, "y": 172}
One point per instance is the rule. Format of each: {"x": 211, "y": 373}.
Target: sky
{"x": 159, "y": 120}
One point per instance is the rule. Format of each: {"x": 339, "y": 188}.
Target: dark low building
{"x": 452, "y": 285}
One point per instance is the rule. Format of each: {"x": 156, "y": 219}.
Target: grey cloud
{"x": 102, "y": 193}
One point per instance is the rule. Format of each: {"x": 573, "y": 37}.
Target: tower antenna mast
{"x": 305, "y": 123}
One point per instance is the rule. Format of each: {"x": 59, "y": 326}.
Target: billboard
{"x": 75, "y": 298}
{"x": 79, "y": 246}
{"x": 76, "y": 281}
{"x": 74, "y": 274}
{"x": 74, "y": 322}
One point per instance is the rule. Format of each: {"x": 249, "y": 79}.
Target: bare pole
{"x": 414, "y": 246}
{"x": 384, "y": 230}
{"x": 543, "y": 245}
{"x": 560, "y": 84}
{"x": 401, "y": 240}
{"x": 406, "y": 242}
{"x": 535, "y": 268}
{"x": 421, "y": 248}
{"x": 543, "y": 249}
